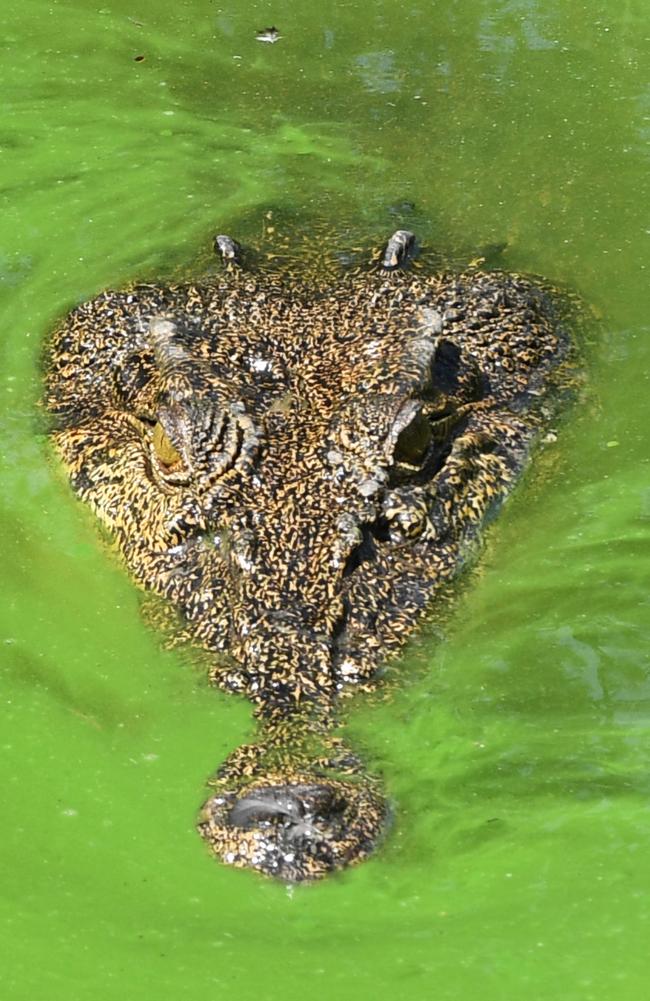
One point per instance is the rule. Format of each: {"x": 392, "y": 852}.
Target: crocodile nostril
{"x": 293, "y": 811}
{"x": 266, "y": 807}
{"x": 297, "y": 830}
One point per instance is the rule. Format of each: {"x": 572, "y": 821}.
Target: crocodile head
{"x": 299, "y": 466}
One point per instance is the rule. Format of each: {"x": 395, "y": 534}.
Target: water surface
{"x": 517, "y": 756}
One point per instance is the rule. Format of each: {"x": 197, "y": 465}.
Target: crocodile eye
{"x": 413, "y": 441}
{"x": 163, "y": 447}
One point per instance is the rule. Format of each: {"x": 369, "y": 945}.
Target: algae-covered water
{"x": 518, "y": 756}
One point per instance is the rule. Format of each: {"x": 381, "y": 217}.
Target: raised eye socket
{"x": 413, "y": 441}
{"x": 163, "y": 447}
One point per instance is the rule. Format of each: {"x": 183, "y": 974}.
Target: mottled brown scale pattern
{"x": 300, "y": 464}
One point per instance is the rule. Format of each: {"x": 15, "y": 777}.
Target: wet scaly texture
{"x": 299, "y": 462}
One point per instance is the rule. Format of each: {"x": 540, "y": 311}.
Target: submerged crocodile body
{"x": 299, "y": 464}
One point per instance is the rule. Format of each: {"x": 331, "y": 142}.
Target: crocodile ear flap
{"x": 454, "y": 373}
{"x": 445, "y": 366}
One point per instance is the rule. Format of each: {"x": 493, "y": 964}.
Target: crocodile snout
{"x": 296, "y": 829}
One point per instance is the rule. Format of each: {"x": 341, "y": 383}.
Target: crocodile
{"x": 299, "y": 462}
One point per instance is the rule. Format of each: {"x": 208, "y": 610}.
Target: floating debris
{"x": 268, "y": 35}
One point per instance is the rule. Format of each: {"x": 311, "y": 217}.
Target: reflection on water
{"x": 378, "y": 73}
{"x": 533, "y": 28}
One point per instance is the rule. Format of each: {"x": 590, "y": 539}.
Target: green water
{"x": 518, "y": 757}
